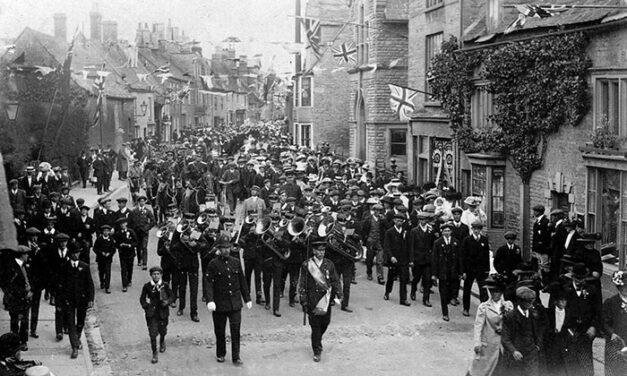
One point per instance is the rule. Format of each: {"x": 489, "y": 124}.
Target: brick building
{"x": 380, "y": 31}
{"x": 321, "y": 87}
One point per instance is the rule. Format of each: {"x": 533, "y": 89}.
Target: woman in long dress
{"x": 487, "y": 331}
{"x": 615, "y": 323}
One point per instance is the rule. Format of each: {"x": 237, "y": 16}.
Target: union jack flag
{"x": 345, "y": 53}
{"x": 99, "y": 85}
{"x": 401, "y": 101}
{"x": 163, "y": 69}
{"x": 537, "y": 11}
{"x": 312, "y": 30}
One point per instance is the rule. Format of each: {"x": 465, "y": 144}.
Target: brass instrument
{"x": 202, "y": 218}
{"x": 338, "y": 241}
{"x": 183, "y": 226}
{"x": 267, "y": 236}
{"x": 251, "y": 219}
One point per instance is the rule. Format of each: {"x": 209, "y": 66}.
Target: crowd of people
{"x": 301, "y": 221}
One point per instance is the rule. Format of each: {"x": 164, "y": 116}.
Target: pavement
{"x": 56, "y": 355}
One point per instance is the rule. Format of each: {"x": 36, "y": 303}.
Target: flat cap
{"x": 525, "y": 293}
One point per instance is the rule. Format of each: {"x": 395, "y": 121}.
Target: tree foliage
{"x": 538, "y": 86}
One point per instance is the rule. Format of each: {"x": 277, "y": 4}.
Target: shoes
{"x": 465, "y": 313}
{"x": 316, "y": 358}
{"x": 380, "y": 281}
{"x": 445, "y": 318}
{"x": 412, "y": 296}
{"x": 346, "y": 309}
{"x": 220, "y": 359}
{"x": 354, "y": 281}
{"x": 162, "y": 347}
{"x": 238, "y": 362}
{"x": 108, "y": 291}
{"x": 155, "y": 358}
{"x": 59, "y": 337}
{"x": 267, "y": 307}
{"x": 24, "y": 347}
{"x": 369, "y": 277}
{"x": 129, "y": 284}
{"x": 277, "y": 313}
{"x": 34, "y": 334}
{"x": 282, "y": 296}
{"x": 292, "y": 304}
{"x": 405, "y": 303}
{"x": 454, "y": 302}
{"x": 173, "y": 305}
{"x": 179, "y": 312}
{"x": 386, "y": 296}
{"x": 124, "y": 289}
{"x": 427, "y": 304}
{"x": 195, "y": 318}
{"x": 101, "y": 286}
{"x": 259, "y": 300}
{"x": 144, "y": 267}
{"x": 74, "y": 354}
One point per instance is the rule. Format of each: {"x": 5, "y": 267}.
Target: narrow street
{"x": 379, "y": 337}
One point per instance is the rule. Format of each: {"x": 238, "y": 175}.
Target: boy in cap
{"x": 126, "y": 245}
{"x": 155, "y": 299}
{"x": 522, "y": 336}
{"x": 104, "y": 248}
{"x": 397, "y": 255}
{"x": 508, "y": 256}
{"x": 76, "y": 296}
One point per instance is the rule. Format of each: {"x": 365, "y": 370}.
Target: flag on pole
{"x": 401, "y": 101}
{"x": 345, "y": 53}
{"x": 312, "y": 30}
{"x": 163, "y": 69}
{"x": 99, "y": 85}
{"x": 536, "y": 11}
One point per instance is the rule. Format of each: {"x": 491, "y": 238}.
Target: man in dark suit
{"x": 396, "y": 254}
{"x": 123, "y": 210}
{"x": 141, "y": 221}
{"x": 85, "y": 227}
{"x": 27, "y": 181}
{"x": 18, "y": 293}
{"x": 421, "y": 240}
{"x": 445, "y": 266}
{"x": 37, "y": 267}
{"x": 126, "y": 244}
{"x": 186, "y": 250}
{"x": 522, "y": 335}
{"x": 318, "y": 284}
{"x": 459, "y": 231}
{"x": 59, "y": 255}
{"x": 226, "y": 286}
{"x": 83, "y": 163}
{"x": 17, "y": 196}
{"x": 103, "y": 215}
{"x": 104, "y": 248}
{"x": 155, "y": 299}
{"x": 475, "y": 263}
{"x": 76, "y": 295}
{"x": 508, "y": 256}
{"x": 555, "y": 248}
{"x": 66, "y": 218}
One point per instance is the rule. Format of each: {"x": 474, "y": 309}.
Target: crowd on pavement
{"x": 243, "y": 203}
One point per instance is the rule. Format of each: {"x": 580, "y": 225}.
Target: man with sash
{"x": 318, "y": 283}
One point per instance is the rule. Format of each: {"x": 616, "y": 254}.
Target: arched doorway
{"x": 360, "y": 131}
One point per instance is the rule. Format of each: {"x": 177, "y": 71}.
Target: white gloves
{"x": 211, "y": 306}
{"x": 249, "y": 304}
{"x": 338, "y": 301}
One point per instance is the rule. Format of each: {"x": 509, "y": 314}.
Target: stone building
{"x": 380, "y": 31}
{"x": 321, "y": 87}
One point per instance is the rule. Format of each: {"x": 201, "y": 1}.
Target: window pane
{"x": 398, "y": 136}
{"x": 592, "y": 196}
{"x": 479, "y": 180}
{"x": 498, "y": 199}
{"x": 398, "y": 139}
{"x": 306, "y": 91}
{"x": 610, "y": 204}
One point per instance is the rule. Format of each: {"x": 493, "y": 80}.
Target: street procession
{"x": 279, "y": 187}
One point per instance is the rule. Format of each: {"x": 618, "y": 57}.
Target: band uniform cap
{"x": 539, "y": 208}
{"x": 446, "y": 226}
{"x": 121, "y": 220}
{"x": 61, "y": 236}
{"x": 476, "y": 224}
{"x": 122, "y": 199}
{"x": 510, "y": 235}
{"x": 223, "y": 241}
{"x": 155, "y": 269}
{"x": 456, "y": 210}
{"x": 105, "y": 227}
{"x": 525, "y": 293}
{"x": 31, "y": 231}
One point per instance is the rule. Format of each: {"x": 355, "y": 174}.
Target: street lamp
{"x": 143, "y": 108}
{"x": 12, "y": 108}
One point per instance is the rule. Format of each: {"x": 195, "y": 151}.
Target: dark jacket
{"x": 310, "y": 291}
{"x": 125, "y": 242}
{"x": 76, "y": 287}
{"x": 475, "y": 255}
{"x": 156, "y": 302}
{"x": 85, "y": 230}
{"x": 104, "y": 249}
{"x": 16, "y": 287}
{"x": 421, "y": 245}
{"x": 506, "y": 260}
{"x": 226, "y": 284}
{"x": 541, "y": 240}
{"x": 141, "y": 220}
{"x": 186, "y": 254}
{"x": 396, "y": 245}
{"x": 445, "y": 262}
{"x": 521, "y": 334}
{"x": 18, "y": 199}
{"x": 168, "y": 259}
{"x": 102, "y": 218}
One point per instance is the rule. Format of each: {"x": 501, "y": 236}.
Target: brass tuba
{"x": 163, "y": 231}
{"x": 251, "y": 219}
{"x": 202, "y": 218}
{"x": 183, "y": 226}
{"x": 339, "y": 242}
{"x": 267, "y": 236}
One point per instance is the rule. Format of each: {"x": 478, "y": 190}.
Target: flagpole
{"x": 100, "y": 117}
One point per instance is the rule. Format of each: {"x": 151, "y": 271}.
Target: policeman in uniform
{"x": 226, "y": 286}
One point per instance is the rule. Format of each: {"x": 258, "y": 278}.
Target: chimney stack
{"x": 95, "y": 26}
{"x": 109, "y": 31}
{"x": 60, "y": 26}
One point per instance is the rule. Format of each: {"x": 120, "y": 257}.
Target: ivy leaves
{"x": 538, "y": 86}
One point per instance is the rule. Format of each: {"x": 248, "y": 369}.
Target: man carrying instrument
{"x": 272, "y": 266}
{"x": 344, "y": 265}
{"x": 169, "y": 263}
{"x": 317, "y": 285}
{"x": 186, "y": 248}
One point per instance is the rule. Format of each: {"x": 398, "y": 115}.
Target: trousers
{"x": 75, "y": 319}
{"x": 483, "y": 293}
{"x": 421, "y": 272}
{"x": 219, "y": 327}
{"x": 402, "y": 271}
{"x": 374, "y": 252}
{"x": 253, "y": 266}
{"x": 272, "y": 277}
{"x": 319, "y": 325}
{"x": 104, "y": 274}
{"x": 192, "y": 277}
{"x": 19, "y": 323}
{"x": 126, "y": 268}
{"x": 447, "y": 291}
{"x": 142, "y": 248}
